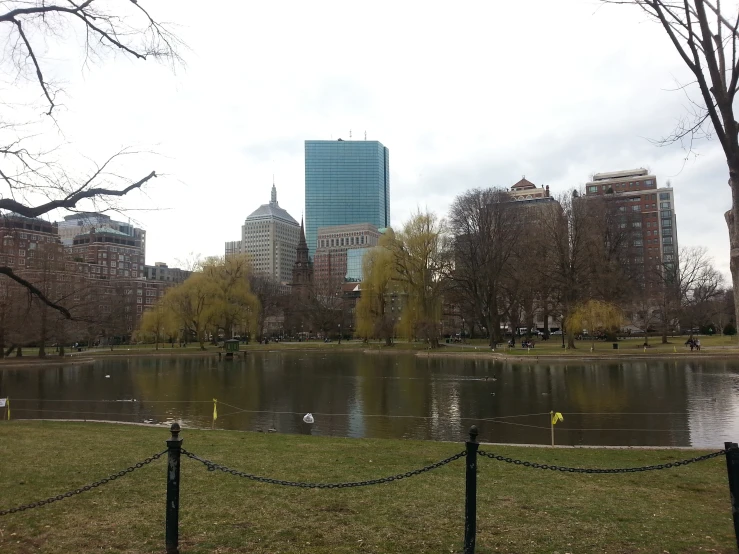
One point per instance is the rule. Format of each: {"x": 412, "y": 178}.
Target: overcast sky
{"x": 464, "y": 95}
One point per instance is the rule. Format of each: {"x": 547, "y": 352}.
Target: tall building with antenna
{"x": 346, "y": 182}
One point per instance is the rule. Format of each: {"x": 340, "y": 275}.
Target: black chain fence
{"x": 550, "y": 467}
{"x": 85, "y": 488}
{"x": 213, "y": 467}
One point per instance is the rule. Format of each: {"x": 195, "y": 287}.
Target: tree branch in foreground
{"x": 35, "y": 291}
{"x": 71, "y": 200}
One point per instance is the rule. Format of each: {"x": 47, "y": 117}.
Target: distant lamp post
{"x": 339, "y": 333}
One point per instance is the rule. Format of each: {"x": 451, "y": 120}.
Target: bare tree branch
{"x": 34, "y": 291}
{"x": 35, "y": 63}
{"x": 71, "y": 200}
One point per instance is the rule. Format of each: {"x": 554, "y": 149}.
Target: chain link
{"x": 668, "y": 465}
{"x": 85, "y": 488}
{"x": 213, "y": 467}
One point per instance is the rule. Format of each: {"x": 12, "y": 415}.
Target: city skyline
{"x": 450, "y": 126}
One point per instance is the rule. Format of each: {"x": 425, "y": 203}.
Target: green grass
{"x": 715, "y": 345}
{"x": 519, "y": 510}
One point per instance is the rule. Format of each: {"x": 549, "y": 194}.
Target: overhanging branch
{"x": 71, "y": 200}
{"x": 34, "y": 291}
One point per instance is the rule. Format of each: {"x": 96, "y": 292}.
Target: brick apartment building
{"x": 99, "y": 279}
{"x": 647, "y": 212}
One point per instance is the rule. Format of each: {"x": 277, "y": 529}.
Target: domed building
{"x": 270, "y": 236}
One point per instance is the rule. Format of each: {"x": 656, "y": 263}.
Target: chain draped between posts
{"x": 218, "y": 467}
{"x": 471, "y": 453}
{"x": 564, "y": 469}
{"x": 84, "y": 488}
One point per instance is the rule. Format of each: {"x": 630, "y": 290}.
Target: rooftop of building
{"x": 523, "y": 184}
{"x": 87, "y": 215}
{"x": 622, "y": 174}
{"x": 104, "y": 230}
{"x": 272, "y": 211}
{"x": 350, "y": 140}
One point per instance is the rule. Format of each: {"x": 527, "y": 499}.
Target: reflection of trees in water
{"x": 713, "y": 402}
{"x": 393, "y": 386}
{"x": 444, "y": 395}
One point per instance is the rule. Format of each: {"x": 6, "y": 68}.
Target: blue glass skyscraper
{"x": 345, "y": 182}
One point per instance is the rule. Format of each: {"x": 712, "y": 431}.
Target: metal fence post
{"x": 732, "y": 469}
{"x": 470, "y": 498}
{"x": 174, "y": 447}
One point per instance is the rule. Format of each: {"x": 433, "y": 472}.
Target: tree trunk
{"x": 2, "y": 335}
{"x": 732, "y": 218}
{"x": 42, "y": 345}
{"x": 664, "y": 331}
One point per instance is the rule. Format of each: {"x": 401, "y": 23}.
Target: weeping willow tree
{"x": 421, "y": 261}
{"x": 595, "y": 316}
{"x": 378, "y": 308}
{"x": 217, "y": 297}
{"x": 158, "y": 323}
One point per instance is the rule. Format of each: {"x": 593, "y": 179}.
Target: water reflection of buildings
{"x": 713, "y": 404}
{"x": 358, "y": 395}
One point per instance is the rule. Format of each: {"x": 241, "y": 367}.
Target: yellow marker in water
{"x": 215, "y": 410}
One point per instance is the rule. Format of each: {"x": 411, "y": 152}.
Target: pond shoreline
{"x": 89, "y": 357}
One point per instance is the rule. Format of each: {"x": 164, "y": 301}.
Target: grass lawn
{"x": 520, "y": 510}
{"x": 715, "y": 345}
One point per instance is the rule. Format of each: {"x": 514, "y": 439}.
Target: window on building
{"x": 593, "y": 188}
{"x": 667, "y": 213}
{"x": 664, "y": 205}
{"x": 666, "y": 223}
{"x": 638, "y": 242}
{"x": 636, "y": 208}
{"x": 636, "y": 224}
{"x": 666, "y": 240}
{"x": 664, "y": 195}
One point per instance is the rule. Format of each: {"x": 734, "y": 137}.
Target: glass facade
{"x": 354, "y": 258}
{"x": 345, "y": 182}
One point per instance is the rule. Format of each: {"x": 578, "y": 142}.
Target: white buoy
{"x": 308, "y": 418}
{"x": 107, "y": 376}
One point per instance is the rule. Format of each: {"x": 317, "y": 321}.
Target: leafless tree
{"x": 486, "y": 227}
{"x": 567, "y": 224}
{"x": 706, "y": 40}
{"x": 699, "y": 283}
{"x": 271, "y": 299}
{"x": 34, "y": 179}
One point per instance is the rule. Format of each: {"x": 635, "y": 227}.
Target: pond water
{"x": 656, "y": 403}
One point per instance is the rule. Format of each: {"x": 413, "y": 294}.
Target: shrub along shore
{"x": 520, "y": 509}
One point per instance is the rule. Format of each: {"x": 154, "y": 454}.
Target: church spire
{"x": 302, "y": 234}
{"x": 273, "y": 199}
